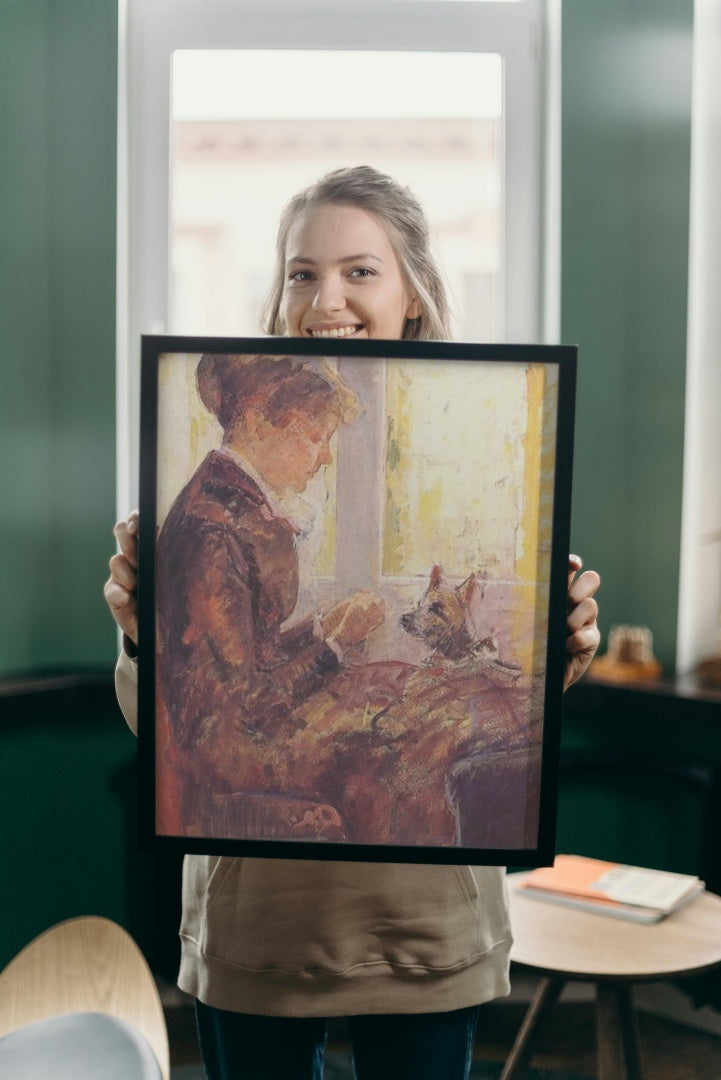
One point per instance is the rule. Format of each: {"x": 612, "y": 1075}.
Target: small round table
{"x": 562, "y": 944}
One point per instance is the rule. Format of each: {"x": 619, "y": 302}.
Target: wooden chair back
{"x": 87, "y": 964}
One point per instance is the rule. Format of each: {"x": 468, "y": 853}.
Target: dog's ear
{"x": 436, "y": 577}
{"x": 466, "y": 589}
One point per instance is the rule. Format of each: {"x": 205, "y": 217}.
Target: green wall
{"x": 58, "y": 73}
{"x": 68, "y": 804}
{"x": 625, "y": 202}
{"x": 67, "y": 769}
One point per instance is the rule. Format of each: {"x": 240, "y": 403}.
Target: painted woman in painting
{"x": 230, "y": 673}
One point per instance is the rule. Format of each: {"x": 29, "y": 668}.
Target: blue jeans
{"x": 416, "y": 1046}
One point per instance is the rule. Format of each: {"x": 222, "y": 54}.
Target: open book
{"x": 608, "y": 888}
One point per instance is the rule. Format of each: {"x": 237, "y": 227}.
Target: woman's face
{"x": 342, "y": 277}
{"x": 291, "y": 454}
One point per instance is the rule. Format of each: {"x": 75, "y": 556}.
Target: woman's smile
{"x": 335, "y": 331}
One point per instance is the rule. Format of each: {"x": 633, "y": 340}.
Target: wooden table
{"x": 563, "y": 944}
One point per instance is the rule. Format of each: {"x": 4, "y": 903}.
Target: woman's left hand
{"x": 352, "y": 620}
{"x": 583, "y": 635}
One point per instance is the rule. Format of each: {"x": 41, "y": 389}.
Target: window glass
{"x": 251, "y": 127}
{"x": 431, "y": 427}
{"x": 471, "y": 1}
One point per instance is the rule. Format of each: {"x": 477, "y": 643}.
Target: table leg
{"x": 617, "y": 1033}
{"x": 545, "y": 997}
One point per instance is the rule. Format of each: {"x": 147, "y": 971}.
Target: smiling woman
{"x": 332, "y": 292}
{"x": 353, "y": 259}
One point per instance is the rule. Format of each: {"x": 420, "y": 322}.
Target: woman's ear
{"x": 256, "y": 424}
{"x": 415, "y": 309}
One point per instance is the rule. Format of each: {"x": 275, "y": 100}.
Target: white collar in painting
{"x": 291, "y": 506}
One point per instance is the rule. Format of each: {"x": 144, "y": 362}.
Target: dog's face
{"x": 441, "y": 616}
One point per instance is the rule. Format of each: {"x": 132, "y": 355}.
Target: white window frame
{"x": 526, "y": 34}
{"x": 699, "y": 597}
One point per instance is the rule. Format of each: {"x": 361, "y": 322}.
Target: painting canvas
{"x": 353, "y": 572}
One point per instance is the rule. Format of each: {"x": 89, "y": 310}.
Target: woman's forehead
{"x": 317, "y": 413}
{"x": 336, "y": 231}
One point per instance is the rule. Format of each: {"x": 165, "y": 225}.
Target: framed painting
{"x": 352, "y": 597}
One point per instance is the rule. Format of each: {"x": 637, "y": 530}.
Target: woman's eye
{"x": 362, "y": 272}
{"x": 300, "y": 276}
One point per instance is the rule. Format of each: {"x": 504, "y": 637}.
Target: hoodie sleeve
{"x": 126, "y": 688}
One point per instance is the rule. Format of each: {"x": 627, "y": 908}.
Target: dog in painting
{"x": 463, "y": 707}
{"x": 443, "y": 619}
{"x": 463, "y": 673}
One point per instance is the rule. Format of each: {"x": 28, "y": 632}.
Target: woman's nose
{"x": 329, "y": 295}
{"x": 324, "y": 455}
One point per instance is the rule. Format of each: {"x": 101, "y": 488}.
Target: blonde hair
{"x": 403, "y": 217}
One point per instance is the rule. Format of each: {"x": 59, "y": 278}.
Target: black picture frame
{"x": 237, "y": 758}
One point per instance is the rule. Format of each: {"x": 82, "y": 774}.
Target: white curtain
{"x": 700, "y": 582}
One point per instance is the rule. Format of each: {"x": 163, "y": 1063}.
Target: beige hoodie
{"x": 284, "y": 937}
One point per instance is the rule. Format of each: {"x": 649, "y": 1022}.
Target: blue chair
{"x": 80, "y": 1002}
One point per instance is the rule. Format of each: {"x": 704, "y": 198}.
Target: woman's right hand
{"x": 121, "y": 587}
{"x": 353, "y": 619}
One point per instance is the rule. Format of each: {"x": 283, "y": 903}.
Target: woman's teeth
{"x": 336, "y": 332}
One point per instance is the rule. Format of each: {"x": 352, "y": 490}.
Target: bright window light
{"x": 261, "y": 84}
{"x": 252, "y": 127}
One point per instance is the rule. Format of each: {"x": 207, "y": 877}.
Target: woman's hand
{"x": 583, "y": 635}
{"x": 351, "y": 621}
{"x": 121, "y": 587}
